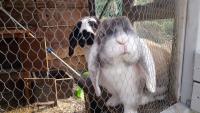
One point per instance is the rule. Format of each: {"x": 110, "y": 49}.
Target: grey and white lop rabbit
{"x": 122, "y": 63}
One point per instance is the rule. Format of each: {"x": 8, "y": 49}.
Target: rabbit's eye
{"x": 127, "y": 30}
{"x": 93, "y": 24}
{"x": 109, "y": 32}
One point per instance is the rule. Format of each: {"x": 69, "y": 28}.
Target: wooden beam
{"x": 191, "y": 36}
{"x": 178, "y": 48}
{"x": 49, "y": 103}
{"x": 46, "y": 4}
{"x": 5, "y": 32}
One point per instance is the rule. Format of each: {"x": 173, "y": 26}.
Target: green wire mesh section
{"x": 114, "y": 8}
{"x": 163, "y": 28}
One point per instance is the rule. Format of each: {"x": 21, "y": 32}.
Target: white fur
{"x": 85, "y": 25}
{"x": 127, "y": 68}
{"x": 94, "y": 70}
{"x": 145, "y": 98}
{"x": 149, "y": 66}
{"x": 87, "y": 52}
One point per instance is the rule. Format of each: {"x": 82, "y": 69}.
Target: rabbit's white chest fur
{"x": 122, "y": 81}
{"x": 86, "y": 52}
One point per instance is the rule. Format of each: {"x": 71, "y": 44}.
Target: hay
{"x": 70, "y": 105}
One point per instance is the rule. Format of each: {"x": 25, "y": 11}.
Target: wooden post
{"x": 191, "y": 35}
{"x": 178, "y": 47}
{"x": 26, "y": 74}
{"x": 56, "y": 93}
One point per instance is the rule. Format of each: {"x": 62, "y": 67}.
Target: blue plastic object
{"x": 49, "y": 50}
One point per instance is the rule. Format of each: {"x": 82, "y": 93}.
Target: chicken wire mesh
{"x": 31, "y": 78}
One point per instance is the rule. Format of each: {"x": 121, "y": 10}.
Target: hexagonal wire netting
{"x": 33, "y": 80}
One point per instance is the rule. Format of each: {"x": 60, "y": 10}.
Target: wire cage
{"x": 31, "y": 78}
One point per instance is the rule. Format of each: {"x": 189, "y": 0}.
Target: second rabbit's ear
{"x": 94, "y": 67}
{"x": 148, "y": 65}
{"x": 74, "y": 37}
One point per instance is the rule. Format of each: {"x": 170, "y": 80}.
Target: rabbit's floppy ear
{"x": 74, "y": 37}
{"x": 148, "y": 66}
{"x": 94, "y": 67}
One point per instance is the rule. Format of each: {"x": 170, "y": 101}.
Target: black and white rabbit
{"x": 122, "y": 63}
{"x": 83, "y": 34}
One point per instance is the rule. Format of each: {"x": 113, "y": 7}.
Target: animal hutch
{"x": 30, "y": 76}
{"x": 23, "y": 56}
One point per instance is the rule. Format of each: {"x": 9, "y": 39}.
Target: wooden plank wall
{"x": 57, "y": 19}
{"x": 52, "y": 20}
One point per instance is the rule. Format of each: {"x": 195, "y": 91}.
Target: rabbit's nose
{"x": 122, "y": 40}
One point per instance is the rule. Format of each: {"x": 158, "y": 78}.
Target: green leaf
{"x": 85, "y": 74}
{"x": 79, "y": 93}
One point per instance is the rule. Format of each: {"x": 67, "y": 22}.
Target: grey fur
{"x": 119, "y": 57}
{"x": 111, "y": 26}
